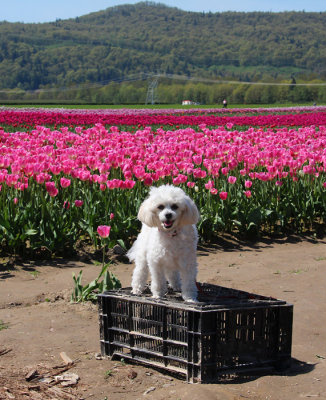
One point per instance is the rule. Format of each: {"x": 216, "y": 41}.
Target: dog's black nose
{"x": 168, "y": 216}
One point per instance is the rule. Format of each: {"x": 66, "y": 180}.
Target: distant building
{"x": 188, "y": 103}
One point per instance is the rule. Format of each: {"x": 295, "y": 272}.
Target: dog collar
{"x": 172, "y": 234}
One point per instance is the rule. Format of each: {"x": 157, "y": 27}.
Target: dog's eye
{"x": 174, "y": 207}
{"x": 161, "y": 207}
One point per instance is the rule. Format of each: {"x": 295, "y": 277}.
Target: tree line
{"x": 173, "y": 93}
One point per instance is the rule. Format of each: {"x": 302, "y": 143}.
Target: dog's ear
{"x": 190, "y": 215}
{"x": 145, "y": 215}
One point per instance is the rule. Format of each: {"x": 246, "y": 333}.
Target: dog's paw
{"x": 137, "y": 291}
{"x": 193, "y": 300}
{"x": 157, "y": 297}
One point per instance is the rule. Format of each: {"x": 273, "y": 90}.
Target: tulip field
{"x": 64, "y": 173}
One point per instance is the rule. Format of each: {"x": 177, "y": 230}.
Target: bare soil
{"x": 38, "y": 322}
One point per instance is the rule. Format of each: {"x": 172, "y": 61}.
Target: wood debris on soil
{"x": 4, "y": 351}
{"x": 41, "y": 382}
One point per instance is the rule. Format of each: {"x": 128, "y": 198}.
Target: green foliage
{"x": 271, "y": 209}
{"x": 38, "y": 222}
{"x": 90, "y": 291}
{"x": 3, "y": 325}
{"x": 108, "y": 373}
{"x": 147, "y": 37}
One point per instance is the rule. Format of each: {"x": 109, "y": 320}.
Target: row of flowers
{"x": 96, "y": 153}
{"x": 169, "y": 111}
{"x": 54, "y": 117}
{"x": 59, "y": 185}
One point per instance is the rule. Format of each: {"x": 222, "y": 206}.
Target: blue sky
{"x": 45, "y": 11}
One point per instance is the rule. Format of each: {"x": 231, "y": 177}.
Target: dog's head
{"x": 168, "y": 207}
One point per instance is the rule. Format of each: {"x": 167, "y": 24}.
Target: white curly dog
{"x": 167, "y": 244}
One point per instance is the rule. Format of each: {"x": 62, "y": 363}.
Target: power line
{"x": 206, "y": 80}
{"x": 154, "y": 80}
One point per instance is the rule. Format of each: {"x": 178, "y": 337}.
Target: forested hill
{"x": 149, "y": 37}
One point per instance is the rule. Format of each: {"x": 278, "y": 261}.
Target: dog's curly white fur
{"x": 167, "y": 243}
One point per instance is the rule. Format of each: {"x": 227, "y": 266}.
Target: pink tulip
{"x": 53, "y": 192}
{"x": 223, "y": 195}
{"x": 180, "y": 179}
{"x": 64, "y": 182}
{"x": 199, "y": 173}
{"x": 248, "y": 184}
{"x": 51, "y": 189}
{"x": 12, "y": 179}
{"x": 111, "y": 216}
{"x": 197, "y": 159}
{"x": 103, "y": 231}
{"x": 214, "y": 191}
{"x": 129, "y": 184}
{"x": 79, "y": 203}
{"x": 247, "y": 193}
{"x": 232, "y": 179}
{"x": 95, "y": 178}
{"x": 308, "y": 169}
{"x": 209, "y": 185}
{"x": 102, "y": 178}
{"x": 55, "y": 169}
{"x": 148, "y": 181}
{"x": 139, "y": 172}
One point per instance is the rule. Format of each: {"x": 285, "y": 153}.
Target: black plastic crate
{"x": 228, "y": 332}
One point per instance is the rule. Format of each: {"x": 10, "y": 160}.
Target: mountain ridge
{"x": 151, "y": 37}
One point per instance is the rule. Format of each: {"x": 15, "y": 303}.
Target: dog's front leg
{"x": 139, "y": 276}
{"x": 158, "y": 284}
{"x": 188, "y": 283}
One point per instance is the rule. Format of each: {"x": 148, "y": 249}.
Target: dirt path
{"x": 37, "y": 323}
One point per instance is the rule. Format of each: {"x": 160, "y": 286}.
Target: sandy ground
{"x": 38, "y": 322}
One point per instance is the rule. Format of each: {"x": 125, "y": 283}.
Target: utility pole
{"x": 151, "y": 97}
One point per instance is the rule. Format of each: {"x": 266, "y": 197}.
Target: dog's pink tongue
{"x": 167, "y": 224}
